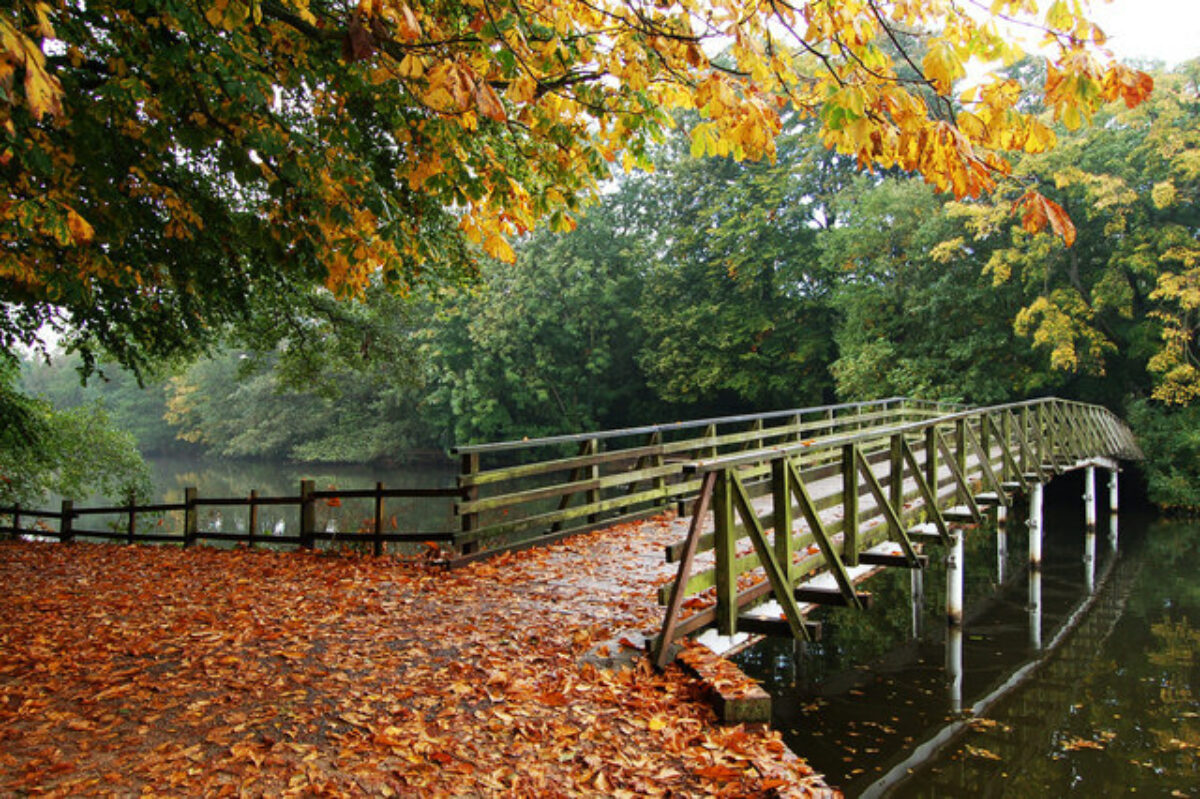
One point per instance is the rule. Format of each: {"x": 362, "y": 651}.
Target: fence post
{"x": 16, "y": 520}
{"x": 308, "y": 514}
{"x": 470, "y": 521}
{"x": 132, "y": 519}
{"x": 191, "y": 524}
{"x": 253, "y": 531}
{"x": 66, "y": 517}
{"x": 378, "y": 543}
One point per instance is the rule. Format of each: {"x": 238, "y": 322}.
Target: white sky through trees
{"x": 1162, "y": 30}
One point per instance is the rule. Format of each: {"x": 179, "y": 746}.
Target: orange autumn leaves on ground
{"x": 502, "y": 113}
{"x": 133, "y": 669}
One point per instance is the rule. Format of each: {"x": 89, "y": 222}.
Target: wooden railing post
{"x": 592, "y": 495}
{"x": 191, "y": 524}
{"x": 468, "y": 468}
{"x": 66, "y": 520}
{"x": 725, "y": 544}
{"x": 781, "y": 493}
{"x": 960, "y": 453}
{"x": 308, "y": 514}
{"x": 377, "y": 544}
{"x": 1026, "y": 438}
{"x": 253, "y": 520}
{"x": 896, "y": 487}
{"x": 931, "y": 458}
{"x": 1006, "y": 443}
{"x": 850, "y": 505}
{"x": 16, "y": 533}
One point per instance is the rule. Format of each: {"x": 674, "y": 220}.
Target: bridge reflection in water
{"x": 868, "y": 708}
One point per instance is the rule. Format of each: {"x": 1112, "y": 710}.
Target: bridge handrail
{"x": 756, "y": 456}
{"x": 617, "y": 475}
{"x": 690, "y": 424}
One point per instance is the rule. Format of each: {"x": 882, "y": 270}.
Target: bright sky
{"x": 1163, "y": 30}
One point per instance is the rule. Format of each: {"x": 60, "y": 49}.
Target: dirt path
{"x": 131, "y": 670}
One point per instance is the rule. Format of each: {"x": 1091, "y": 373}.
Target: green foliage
{"x": 546, "y": 345}
{"x": 918, "y": 318}
{"x": 735, "y": 305}
{"x": 73, "y": 453}
{"x": 1170, "y": 437}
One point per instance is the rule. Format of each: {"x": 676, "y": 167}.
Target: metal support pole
{"x": 1089, "y": 499}
{"x": 1035, "y": 567}
{"x": 1089, "y": 561}
{"x": 954, "y": 667}
{"x": 954, "y": 579}
{"x": 1112, "y": 510}
{"x": 1035, "y": 610}
{"x": 1035, "y": 527}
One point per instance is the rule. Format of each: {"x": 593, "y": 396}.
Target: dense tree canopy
{"x": 170, "y": 168}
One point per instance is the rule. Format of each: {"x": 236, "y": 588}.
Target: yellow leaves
{"x": 1163, "y": 194}
{"x": 943, "y": 66}
{"x": 81, "y": 231}
{"x": 1062, "y": 323}
{"x": 43, "y": 92}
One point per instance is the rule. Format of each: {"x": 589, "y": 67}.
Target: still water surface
{"x": 1108, "y": 706}
{"x": 231, "y": 478}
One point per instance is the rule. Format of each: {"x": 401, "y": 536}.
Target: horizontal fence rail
{"x": 527, "y": 492}
{"x": 376, "y": 529}
{"x": 842, "y": 495}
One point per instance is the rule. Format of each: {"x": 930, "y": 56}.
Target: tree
{"x": 73, "y": 453}
{"x": 915, "y": 322}
{"x": 171, "y": 169}
{"x": 1120, "y": 304}
{"x": 735, "y": 304}
{"x": 546, "y": 345}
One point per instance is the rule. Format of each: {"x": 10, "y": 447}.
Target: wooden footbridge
{"x": 788, "y": 510}
{"x": 856, "y": 487}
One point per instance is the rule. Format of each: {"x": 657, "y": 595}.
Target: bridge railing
{"x": 841, "y": 495}
{"x": 526, "y": 492}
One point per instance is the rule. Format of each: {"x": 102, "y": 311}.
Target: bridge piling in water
{"x": 1035, "y": 566}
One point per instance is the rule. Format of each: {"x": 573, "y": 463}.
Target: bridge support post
{"x": 1089, "y": 561}
{"x": 954, "y": 579}
{"x": 954, "y": 667}
{"x": 1112, "y": 510}
{"x": 1089, "y": 499}
{"x": 1035, "y": 567}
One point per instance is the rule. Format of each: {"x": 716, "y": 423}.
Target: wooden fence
{"x": 134, "y": 527}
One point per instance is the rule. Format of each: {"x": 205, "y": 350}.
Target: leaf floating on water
{"x": 981, "y": 753}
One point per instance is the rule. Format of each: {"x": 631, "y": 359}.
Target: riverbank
{"x": 127, "y": 669}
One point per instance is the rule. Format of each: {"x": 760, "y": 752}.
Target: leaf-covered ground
{"x": 127, "y": 670}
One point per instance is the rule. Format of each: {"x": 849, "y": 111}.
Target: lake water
{"x": 1108, "y": 705}
{"x": 221, "y": 478}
